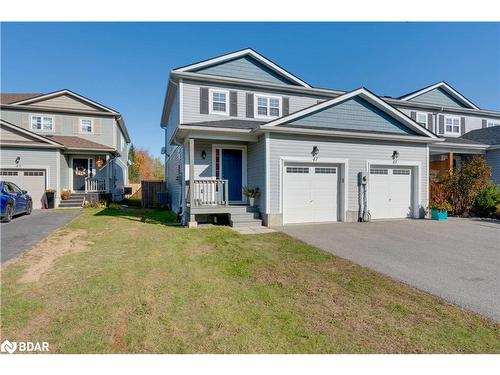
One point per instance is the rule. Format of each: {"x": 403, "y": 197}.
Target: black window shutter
{"x": 204, "y": 100}
{"x": 233, "y": 103}
{"x": 413, "y": 115}
{"x": 441, "y": 124}
{"x": 429, "y": 122}
{"x": 484, "y": 124}
{"x": 249, "y": 105}
{"x": 462, "y": 125}
{"x": 286, "y": 106}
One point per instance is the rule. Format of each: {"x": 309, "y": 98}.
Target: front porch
{"x": 88, "y": 174}
{"x": 217, "y": 173}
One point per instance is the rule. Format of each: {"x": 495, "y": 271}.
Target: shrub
{"x": 132, "y": 202}
{"x": 487, "y": 203}
{"x": 462, "y": 186}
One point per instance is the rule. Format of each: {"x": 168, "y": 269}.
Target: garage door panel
{"x": 309, "y": 193}
{"x": 390, "y": 192}
{"x": 31, "y": 180}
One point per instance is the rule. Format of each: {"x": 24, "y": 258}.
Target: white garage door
{"x": 310, "y": 193}
{"x": 32, "y": 180}
{"x": 390, "y": 192}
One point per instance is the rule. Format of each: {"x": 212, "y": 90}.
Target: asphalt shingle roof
{"x": 489, "y": 136}
{"x": 77, "y": 142}
{"x": 8, "y": 98}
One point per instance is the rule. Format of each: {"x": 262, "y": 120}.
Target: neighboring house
{"x": 489, "y": 137}
{"x": 241, "y": 120}
{"x": 62, "y": 141}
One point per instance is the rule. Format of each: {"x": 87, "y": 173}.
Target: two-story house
{"x": 63, "y": 141}
{"x": 316, "y": 155}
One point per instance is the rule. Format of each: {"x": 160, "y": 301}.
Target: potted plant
{"x": 439, "y": 208}
{"x": 65, "y": 195}
{"x": 251, "y": 194}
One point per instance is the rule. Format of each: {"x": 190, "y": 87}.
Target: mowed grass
{"x": 145, "y": 285}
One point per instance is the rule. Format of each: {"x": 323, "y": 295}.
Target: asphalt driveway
{"x": 25, "y": 231}
{"x": 458, "y": 260}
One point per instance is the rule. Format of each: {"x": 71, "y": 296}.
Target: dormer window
{"x": 219, "y": 102}
{"x": 86, "y": 126}
{"x": 42, "y": 123}
{"x": 267, "y": 106}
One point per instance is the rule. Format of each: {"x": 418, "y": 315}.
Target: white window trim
{"x": 42, "y": 129}
{"x": 211, "y": 100}
{"x": 452, "y": 118}
{"x": 256, "y": 97}
{"x": 80, "y": 125}
{"x": 492, "y": 123}
{"x": 425, "y": 116}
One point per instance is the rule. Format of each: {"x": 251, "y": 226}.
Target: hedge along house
{"x": 63, "y": 141}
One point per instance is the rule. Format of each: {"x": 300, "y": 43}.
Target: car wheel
{"x": 29, "y": 209}
{"x": 9, "y": 211}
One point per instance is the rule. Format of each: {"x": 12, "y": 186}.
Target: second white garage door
{"x": 310, "y": 193}
{"x": 31, "y": 180}
{"x": 390, "y": 192}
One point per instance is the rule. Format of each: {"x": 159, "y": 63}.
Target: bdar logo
{"x": 9, "y": 347}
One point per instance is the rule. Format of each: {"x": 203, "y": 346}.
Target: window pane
{"x": 274, "y": 112}
{"x": 262, "y": 102}
{"x": 47, "y": 123}
{"x": 36, "y": 122}
{"x": 274, "y": 103}
{"x": 449, "y": 128}
{"x": 219, "y": 107}
{"x": 448, "y": 121}
{"x": 262, "y": 111}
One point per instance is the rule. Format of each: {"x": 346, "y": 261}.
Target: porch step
{"x": 247, "y": 223}
{"x": 249, "y": 217}
{"x": 75, "y": 200}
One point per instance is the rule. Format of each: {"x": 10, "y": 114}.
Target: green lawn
{"x": 126, "y": 281}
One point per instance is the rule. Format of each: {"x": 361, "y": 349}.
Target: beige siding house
{"x": 63, "y": 141}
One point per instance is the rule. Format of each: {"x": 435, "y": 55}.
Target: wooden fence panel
{"x": 149, "y": 191}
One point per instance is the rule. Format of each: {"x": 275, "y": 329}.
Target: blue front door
{"x": 232, "y": 170}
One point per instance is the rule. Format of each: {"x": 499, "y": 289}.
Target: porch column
{"x": 450, "y": 162}
{"x": 192, "y": 220}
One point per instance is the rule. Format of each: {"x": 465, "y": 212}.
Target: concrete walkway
{"x": 458, "y": 260}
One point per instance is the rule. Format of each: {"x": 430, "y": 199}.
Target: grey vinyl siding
{"x": 191, "y": 102}
{"x": 493, "y": 160}
{"x": 67, "y": 124}
{"x": 471, "y": 122}
{"x": 438, "y": 97}
{"x": 357, "y": 151}
{"x": 31, "y": 157}
{"x": 353, "y": 114}
{"x": 256, "y": 169}
{"x": 174, "y": 180}
{"x": 173, "y": 122}
{"x": 245, "y": 68}
{"x": 64, "y": 172}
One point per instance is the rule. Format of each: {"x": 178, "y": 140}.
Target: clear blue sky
{"x": 125, "y": 65}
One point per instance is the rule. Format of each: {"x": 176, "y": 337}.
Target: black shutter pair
{"x": 204, "y": 102}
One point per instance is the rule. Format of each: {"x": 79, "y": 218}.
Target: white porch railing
{"x": 95, "y": 185}
{"x": 210, "y": 192}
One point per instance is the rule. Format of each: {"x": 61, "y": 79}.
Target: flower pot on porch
{"x": 251, "y": 200}
{"x": 439, "y": 215}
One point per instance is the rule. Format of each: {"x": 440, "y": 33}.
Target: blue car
{"x": 14, "y": 201}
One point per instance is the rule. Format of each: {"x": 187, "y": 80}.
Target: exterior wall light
{"x": 17, "y": 161}
{"x": 395, "y": 155}
{"x": 315, "y": 152}
{"x": 203, "y": 154}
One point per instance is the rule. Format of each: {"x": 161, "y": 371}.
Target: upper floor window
{"x": 219, "y": 102}
{"x": 43, "y": 123}
{"x": 451, "y": 125}
{"x": 422, "y": 118}
{"x": 86, "y": 126}
{"x": 268, "y": 106}
{"x": 491, "y": 123}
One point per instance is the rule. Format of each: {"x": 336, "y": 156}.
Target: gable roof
{"x": 50, "y": 95}
{"x": 444, "y": 86}
{"x": 29, "y": 133}
{"x": 489, "y": 136}
{"x": 247, "y": 52}
{"x": 9, "y": 98}
{"x": 364, "y": 94}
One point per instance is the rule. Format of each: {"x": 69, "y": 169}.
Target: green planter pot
{"x": 439, "y": 215}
